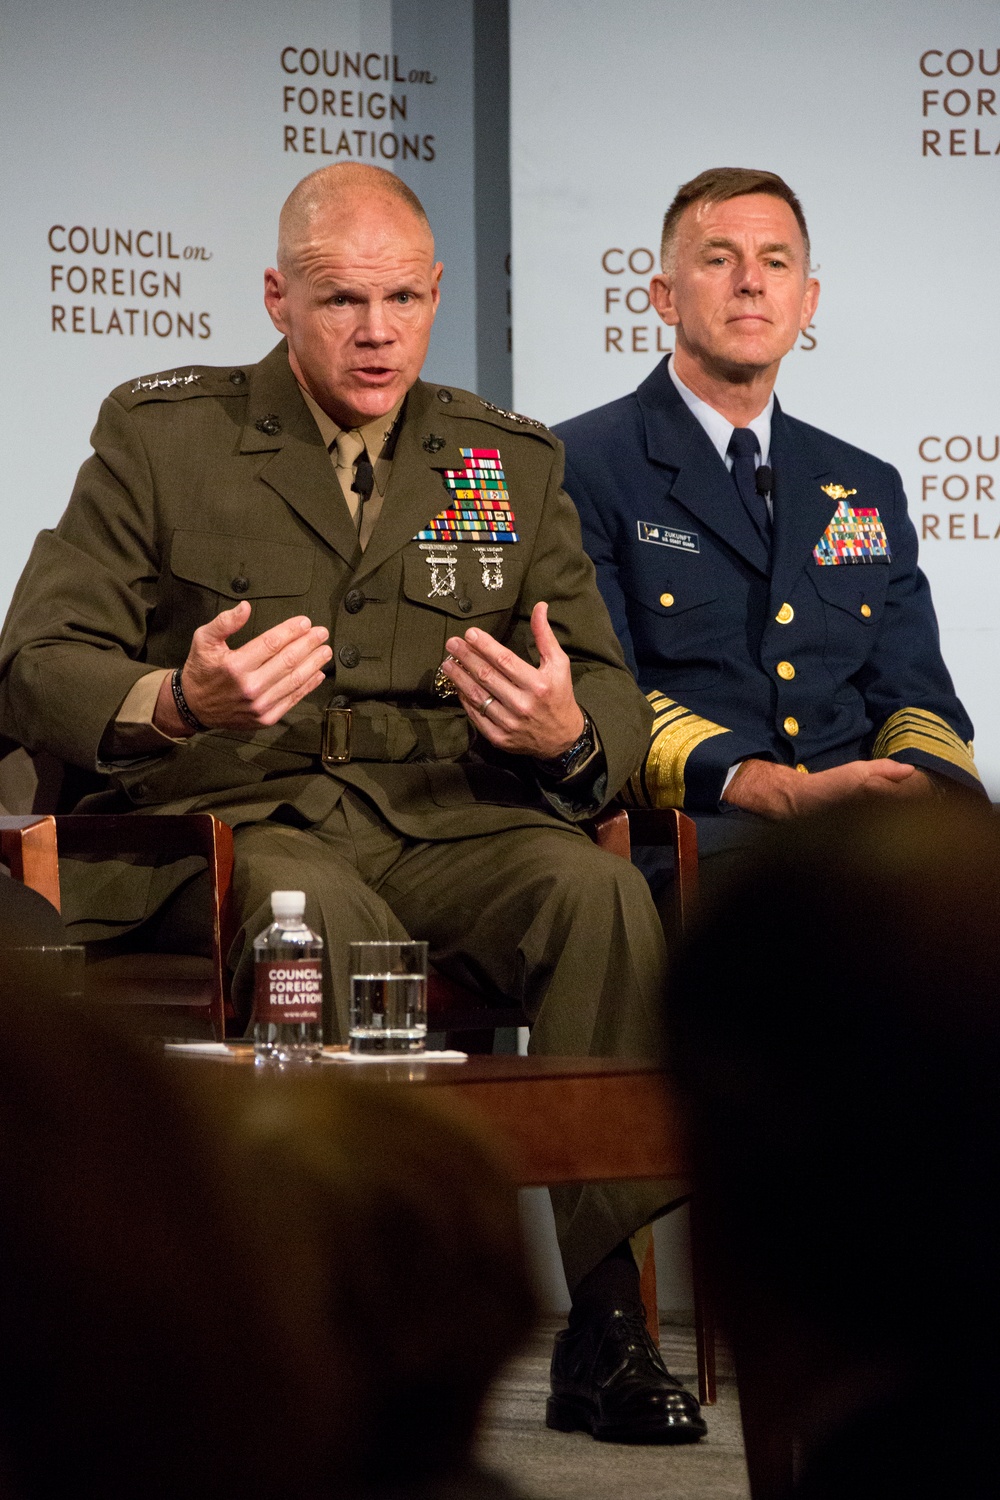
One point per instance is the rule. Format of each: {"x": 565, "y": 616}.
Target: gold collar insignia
{"x": 837, "y": 491}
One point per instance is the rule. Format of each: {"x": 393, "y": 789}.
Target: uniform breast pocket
{"x": 212, "y": 571}
{"x": 853, "y": 599}
{"x": 474, "y": 583}
{"x": 854, "y": 589}
{"x": 675, "y": 620}
{"x": 446, "y": 588}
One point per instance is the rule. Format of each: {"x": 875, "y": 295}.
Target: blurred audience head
{"x": 835, "y": 1030}
{"x": 218, "y": 1284}
{"x": 422, "y": 1272}
{"x": 152, "y": 1344}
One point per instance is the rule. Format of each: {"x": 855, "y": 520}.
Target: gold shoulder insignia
{"x": 837, "y": 491}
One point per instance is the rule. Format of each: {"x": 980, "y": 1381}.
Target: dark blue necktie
{"x": 743, "y": 449}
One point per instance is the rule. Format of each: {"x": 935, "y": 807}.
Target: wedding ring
{"x": 485, "y": 704}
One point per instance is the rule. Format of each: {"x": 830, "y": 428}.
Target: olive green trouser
{"x": 538, "y": 914}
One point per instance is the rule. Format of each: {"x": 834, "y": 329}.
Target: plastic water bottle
{"x": 288, "y": 985}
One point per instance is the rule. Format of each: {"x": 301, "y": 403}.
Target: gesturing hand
{"x": 523, "y": 709}
{"x": 251, "y": 686}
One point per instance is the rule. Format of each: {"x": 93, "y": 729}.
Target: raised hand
{"x": 251, "y": 686}
{"x": 523, "y": 709}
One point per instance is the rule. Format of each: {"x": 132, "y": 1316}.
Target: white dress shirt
{"x": 720, "y": 429}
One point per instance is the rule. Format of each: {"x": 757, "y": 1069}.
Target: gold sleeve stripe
{"x": 659, "y": 781}
{"x": 918, "y": 729}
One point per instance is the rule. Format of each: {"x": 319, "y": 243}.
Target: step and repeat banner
{"x": 148, "y": 147}
{"x": 886, "y": 121}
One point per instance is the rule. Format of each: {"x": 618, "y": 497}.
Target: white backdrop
{"x": 165, "y": 120}
{"x": 611, "y": 113}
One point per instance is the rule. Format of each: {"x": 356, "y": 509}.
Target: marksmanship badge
{"x": 492, "y": 561}
{"x": 441, "y": 561}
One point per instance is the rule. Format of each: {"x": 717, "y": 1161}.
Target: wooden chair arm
{"x": 610, "y": 831}
{"x": 28, "y": 847}
{"x": 618, "y": 828}
{"x": 172, "y": 835}
{"x": 31, "y": 846}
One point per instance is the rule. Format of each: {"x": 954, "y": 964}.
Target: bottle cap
{"x": 285, "y": 904}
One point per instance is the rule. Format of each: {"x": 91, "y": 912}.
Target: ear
{"x": 275, "y": 287}
{"x": 436, "y": 285}
{"x": 661, "y": 295}
{"x": 809, "y": 302}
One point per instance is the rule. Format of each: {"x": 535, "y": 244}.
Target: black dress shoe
{"x": 608, "y": 1379}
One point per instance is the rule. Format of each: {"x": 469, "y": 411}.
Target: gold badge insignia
{"x": 837, "y": 491}
{"x": 442, "y": 562}
{"x": 443, "y": 685}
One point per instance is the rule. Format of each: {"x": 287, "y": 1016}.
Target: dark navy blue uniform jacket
{"x": 746, "y": 654}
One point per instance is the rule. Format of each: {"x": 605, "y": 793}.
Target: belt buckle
{"x": 336, "y": 746}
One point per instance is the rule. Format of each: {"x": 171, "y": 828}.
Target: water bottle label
{"x": 288, "y": 990}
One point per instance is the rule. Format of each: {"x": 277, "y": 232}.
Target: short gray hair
{"x": 718, "y": 185}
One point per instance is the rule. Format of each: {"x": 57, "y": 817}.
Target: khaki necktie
{"x": 349, "y": 445}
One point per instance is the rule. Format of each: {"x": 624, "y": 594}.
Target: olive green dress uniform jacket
{"x": 212, "y": 486}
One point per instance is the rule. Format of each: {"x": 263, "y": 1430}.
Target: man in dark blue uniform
{"x": 761, "y": 575}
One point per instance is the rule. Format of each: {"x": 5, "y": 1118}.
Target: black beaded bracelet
{"x": 181, "y": 704}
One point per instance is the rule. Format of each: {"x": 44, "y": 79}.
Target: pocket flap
{"x": 241, "y": 567}
{"x": 671, "y": 595}
{"x": 463, "y": 579}
{"x": 856, "y": 588}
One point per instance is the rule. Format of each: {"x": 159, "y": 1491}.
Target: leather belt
{"x": 375, "y": 731}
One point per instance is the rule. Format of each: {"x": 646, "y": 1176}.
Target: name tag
{"x": 668, "y": 536}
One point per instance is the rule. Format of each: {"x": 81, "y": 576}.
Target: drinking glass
{"x": 388, "y": 997}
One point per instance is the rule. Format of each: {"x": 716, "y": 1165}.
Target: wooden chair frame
{"x": 30, "y": 846}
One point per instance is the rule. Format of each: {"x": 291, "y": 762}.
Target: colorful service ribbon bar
{"x": 480, "y": 508}
{"x": 852, "y": 536}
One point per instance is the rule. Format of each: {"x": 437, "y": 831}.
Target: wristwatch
{"x": 565, "y": 765}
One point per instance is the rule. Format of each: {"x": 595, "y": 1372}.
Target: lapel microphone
{"x": 364, "y": 483}
{"x": 764, "y": 480}
{"x": 364, "y": 477}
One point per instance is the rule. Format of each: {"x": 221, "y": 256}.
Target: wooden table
{"x": 556, "y": 1119}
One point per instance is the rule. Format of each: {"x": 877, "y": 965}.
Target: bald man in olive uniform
{"x": 349, "y": 613}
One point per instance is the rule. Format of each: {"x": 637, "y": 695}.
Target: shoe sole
{"x": 563, "y": 1414}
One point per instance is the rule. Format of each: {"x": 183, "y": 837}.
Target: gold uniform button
{"x": 791, "y": 726}
{"x": 666, "y": 600}
{"x": 802, "y": 768}
{"x": 786, "y": 670}
{"x": 866, "y": 610}
{"x": 785, "y": 615}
